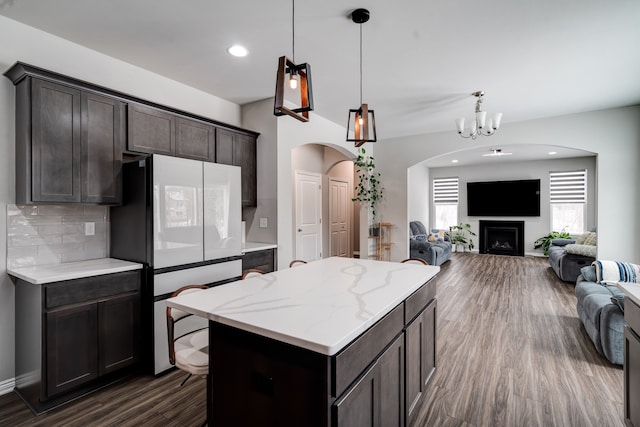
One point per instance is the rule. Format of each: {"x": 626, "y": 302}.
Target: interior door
{"x": 340, "y": 227}
{"x": 308, "y": 216}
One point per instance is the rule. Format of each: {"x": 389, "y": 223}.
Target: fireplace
{"x": 502, "y": 237}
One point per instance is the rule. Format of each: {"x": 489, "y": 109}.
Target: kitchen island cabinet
{"x": 323, "y": 344}
{"x": 631, "y": 353}
{"x": 75, "y": 335}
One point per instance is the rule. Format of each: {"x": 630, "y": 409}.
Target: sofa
{"x": 568, "y": 256}
{"x": 434, "y": 247}
{"x": 600, "y": 307}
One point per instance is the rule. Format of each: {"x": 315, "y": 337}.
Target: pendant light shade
{"x": 288, "y": 72}
{"x": 294, "y": 79}
{"x": 362, "y": 123}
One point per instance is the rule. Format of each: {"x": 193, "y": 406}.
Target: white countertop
{"x": 257, "y": 246}
{"x": 632, "y": 290}
{"x": 321, "y": 306}
{"x": 41, "y": 274}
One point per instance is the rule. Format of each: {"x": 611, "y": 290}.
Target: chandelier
{"x": 478, "y": 126}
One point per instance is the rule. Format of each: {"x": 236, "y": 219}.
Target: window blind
{"x": 445, "y": 190}
{"x": 568, "y": 187}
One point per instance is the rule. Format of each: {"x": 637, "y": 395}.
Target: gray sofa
{"x": 435, "y": 251}
{"x": 568, "y": 256}
{"x": 601, "y": 310}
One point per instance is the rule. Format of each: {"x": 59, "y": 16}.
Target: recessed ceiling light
{"x": 454, "y": 161}
{"x": 237, "y": 50}
{"x": 551, "y": 153}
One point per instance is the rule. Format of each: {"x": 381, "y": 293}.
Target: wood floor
{"x": 511, "y": 352}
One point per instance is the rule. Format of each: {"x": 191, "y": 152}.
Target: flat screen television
{"x": 504, "y": 198}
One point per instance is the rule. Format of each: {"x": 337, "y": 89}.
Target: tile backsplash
{"x": 47, "y": 234}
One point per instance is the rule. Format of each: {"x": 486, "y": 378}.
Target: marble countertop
{"x": 41, "y": 274}
{"x": 321, "y": 306}
{"x": 632, "y": 290}
{"x": 257, "y": 246}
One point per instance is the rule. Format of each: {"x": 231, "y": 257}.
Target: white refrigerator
{"x": 182, "y": 218}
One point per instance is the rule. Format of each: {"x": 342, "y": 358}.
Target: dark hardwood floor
{"x": 511, "y": 352}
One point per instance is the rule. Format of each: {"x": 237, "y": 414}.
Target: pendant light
{"x": 362, "y": 122}
{"x": 297, "y": 78}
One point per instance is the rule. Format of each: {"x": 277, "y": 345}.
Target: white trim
{"x": 7, "y": 386}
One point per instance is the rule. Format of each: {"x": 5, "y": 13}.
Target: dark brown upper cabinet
{"x": 68, "y": 144}
{"x": 238, "y": 149}
{"x": 195, "y": 140}
{"x": 53, "y": 166}
{"x": 71, "y": 136}
{"x": 151, "y": 130}
{"x": 103, "y": 135}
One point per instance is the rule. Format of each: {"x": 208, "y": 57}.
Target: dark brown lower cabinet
{"x": 420, "y": 338}
{"x": 71, "y": 348}
{"x": 377, "y": 380}
{"x": 377, "y": 398}
{"x": 631, "y": 364}
{"x": 88, "y": 336}
{"x": 118, "y": 326}
{"x": 263, "y": 260}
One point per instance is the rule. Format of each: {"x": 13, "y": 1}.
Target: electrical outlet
{"x": 89, "y": 228}
{"x": 263, "y": 223}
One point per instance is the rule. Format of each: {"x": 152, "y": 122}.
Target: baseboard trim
{"x": 7, "y": 386}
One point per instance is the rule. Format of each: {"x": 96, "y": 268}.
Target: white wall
{"x": 258, "y": 116}
{"x": 419, "y": 187}
{"x": 46, "y": 51}
{"x": 613, "y": 134}
{"x": 291, "y": 134}
{"x": 534, "y": 227}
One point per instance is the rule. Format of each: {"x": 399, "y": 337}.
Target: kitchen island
{"x": 338, "y": 341}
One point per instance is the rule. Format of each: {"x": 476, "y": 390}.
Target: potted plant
{"x": 545, "y": 241}
{"x": 460, "y": 235}
{"x": 368, "y": 190}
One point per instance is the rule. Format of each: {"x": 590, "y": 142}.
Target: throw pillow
{"x": 421, "y": 237}
{"x": 562, "y": 242}
{"x": 584, "y": 250}
{"x": 436, "y": 235}
{"x": 590, "y": 239}
{"x": 589, "y": 273}
{"x": 614, "y": 271}
{"x": 581, "y": 238}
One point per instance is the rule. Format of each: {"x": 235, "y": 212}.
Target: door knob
{"x": 299, "y": 230}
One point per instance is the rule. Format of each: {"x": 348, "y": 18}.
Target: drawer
{"x": 418, "y": 300}
{"x": 90, "y": 288}
{"x": 354, "y": 359}
{"x": 632, "y": 315}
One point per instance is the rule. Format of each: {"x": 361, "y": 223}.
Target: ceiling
{"x": 422, "y": 59}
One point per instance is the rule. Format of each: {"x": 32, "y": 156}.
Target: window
{"x": 445, "y": 200}
{"x": 568, "y": 199}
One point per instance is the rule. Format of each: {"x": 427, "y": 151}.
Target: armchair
{"x": 434, "y": 247}
{"x": 567, "y": 256}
